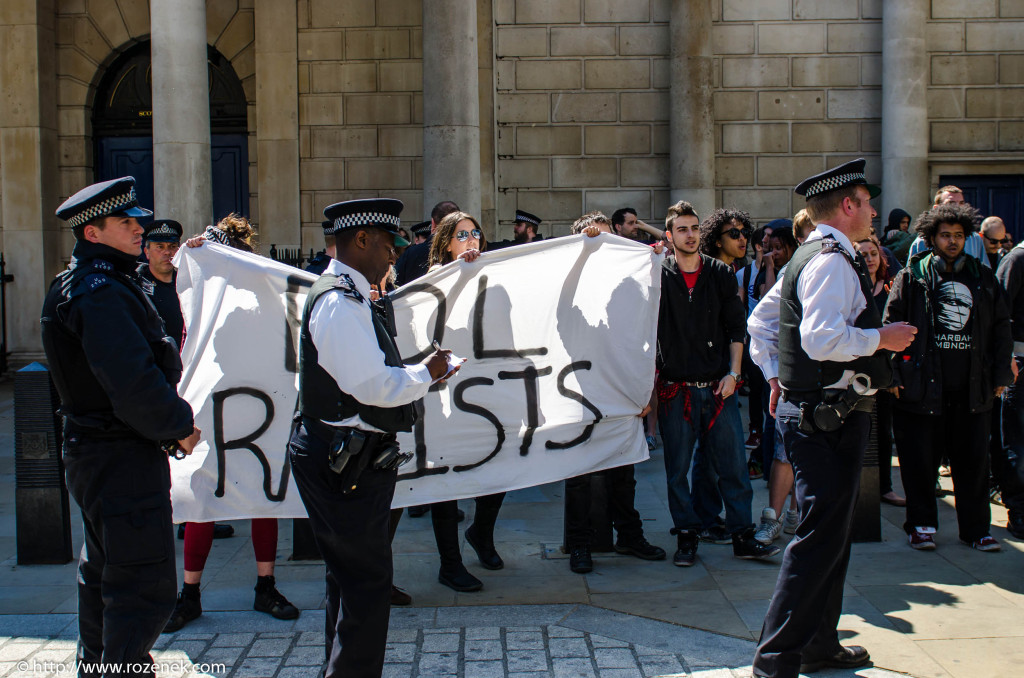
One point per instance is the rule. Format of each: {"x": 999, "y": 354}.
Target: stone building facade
{"x": 556, "y": 107}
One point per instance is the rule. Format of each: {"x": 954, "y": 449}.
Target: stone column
{"x": 182, "y": 173}
{"x": 691, "y": 121}
{"x": 451, "y": 109}
{"x": 277, "y": 124}
{"x": 905, "y": 181}
{"x": 29, "y": 177}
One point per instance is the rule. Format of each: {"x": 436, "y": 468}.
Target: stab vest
{"x": 319, "y": 395}
{"x": 797, "y": 372}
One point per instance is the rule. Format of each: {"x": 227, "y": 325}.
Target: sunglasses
{"x": 463, "y": 236}
{"x": 735, "y": 233}
{"x": 1001, "y": 241}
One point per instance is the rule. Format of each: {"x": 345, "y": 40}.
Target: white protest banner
{"x": 560, "y": 341}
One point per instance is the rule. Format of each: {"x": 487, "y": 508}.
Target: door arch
{"x": 122, "y": 122}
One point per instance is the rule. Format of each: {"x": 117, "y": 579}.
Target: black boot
{"x": 268, "y": 599}
{"x": 453, "y": 573}
{"x": 188, "y": 607}
{"x": 686, "y": 551}
{"x": 480, "y": 534}
{"x": 1015, "y": 524}
{"x": 580, "y": 560}
{"x": 746, "y": 547}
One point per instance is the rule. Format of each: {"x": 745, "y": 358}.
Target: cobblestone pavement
{"x": 516, "y": 641}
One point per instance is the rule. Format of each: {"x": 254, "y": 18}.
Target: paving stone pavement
{"x": 516, "y": 641}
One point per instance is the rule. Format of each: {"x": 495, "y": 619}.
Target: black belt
{"x": 325, "y": 432}
{"x": 865, "y": 404}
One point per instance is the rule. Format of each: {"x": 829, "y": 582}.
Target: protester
{"x": 802, "y": 226}
{"x": 460, "y": 238}
{"x": 809, "y": 335}
{"x": 620, "y": 481}
{"x": 234, "y": 231}
{"x": 752, "y": 377}
{"x": 880, "y": 275}
{"x": 413, "y": 262}
{"x": 993, "y": 234}
{"x": 354, "y": 395}
{"x": 945, "y": 381}
{"x": 1009, "y": 474}
{"x": 974, "y": 246}
{"x": 700, "y": 340}
{"x": 898, "y": 237}
{"x": 116, "y": 370}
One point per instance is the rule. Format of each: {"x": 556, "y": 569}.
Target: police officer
{"x": 116, "y": 369}
{"x": 354, "y": 395}
{"x": 318, "y": 264}
{"x": 810, "y": 335}
{"x": 524, "y": 231}
{"x": 161, "y": 241}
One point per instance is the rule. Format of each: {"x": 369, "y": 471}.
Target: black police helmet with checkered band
{"x": 528, "y": 218}
{"x": 848, "y": 174}
{"x": 105, "y": 199}
{"x": 163, "y": 230}
{"x": 382, "y": 213}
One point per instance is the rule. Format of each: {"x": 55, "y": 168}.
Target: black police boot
{"x": 483, "y": 544}
{"x": 1015, "y": 524}
{"x": 268, "y": 599}
{"x": 188, "y": 607}
{"x": 744, "y": 546}
{"x": 580, "y": 560}
{"x": 686, "y": 549}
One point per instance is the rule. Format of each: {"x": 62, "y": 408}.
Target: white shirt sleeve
{"x": 342, "y": 331}
{"x": 825, "y": 289}
{"x": 763, "y": 327}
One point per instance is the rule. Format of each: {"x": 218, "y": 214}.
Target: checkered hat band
{"x": 535, "y": 222}
{"x": 832, "y": 183}
{"x": 163, "y": 230}
{"x": 365, "y": 219}
{"x": 108, "y": 206}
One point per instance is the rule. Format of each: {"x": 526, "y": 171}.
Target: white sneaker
{"x": 792, "y": 520}
{"x": 770, "y": 527}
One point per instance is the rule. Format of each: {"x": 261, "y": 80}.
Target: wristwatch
{"x": 735, "y": 376}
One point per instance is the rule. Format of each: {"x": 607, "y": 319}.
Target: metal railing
{"x": 291, "y": 255}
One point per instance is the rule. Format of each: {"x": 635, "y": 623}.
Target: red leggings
{"x": 199, "y": 540}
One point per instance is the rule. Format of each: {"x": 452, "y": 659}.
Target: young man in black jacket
{"x": 700, "y": 348}
{"x": 945, "y": 381}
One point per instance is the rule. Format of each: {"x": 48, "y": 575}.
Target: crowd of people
{"x": 830, "y": 330}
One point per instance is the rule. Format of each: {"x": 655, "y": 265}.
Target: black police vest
{"x": 797, "y": 372}
{"x": 83, "y": 400}
{"x": 319, "y": 395}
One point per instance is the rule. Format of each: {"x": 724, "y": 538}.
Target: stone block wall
{"x": 360, "y": 106}
{"x": 581, "y": 109}
{"x": 798, "y": 88}
{"x": 976, "y": 88}
{"x": 90, "y": 36}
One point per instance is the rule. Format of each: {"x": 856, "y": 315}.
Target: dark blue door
{"x": 995, "y": 195}
{"x": 133, "y": 156}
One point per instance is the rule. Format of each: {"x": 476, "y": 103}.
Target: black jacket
{"x": 1010, "y": 275}
{"x": 165, "y": 298}
{"x": 414, "y": 262}
{"x": 111, "y": 360}
{"x": 918, "y": 369}
{"x": 694, "y": 331}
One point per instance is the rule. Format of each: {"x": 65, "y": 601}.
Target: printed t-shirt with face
{"x": 954, "y": 324}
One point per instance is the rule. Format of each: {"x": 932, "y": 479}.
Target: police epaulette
{"x": 348, "y": 287}
{"x": 831, "y": 245}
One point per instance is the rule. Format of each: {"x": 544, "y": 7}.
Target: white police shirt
{"x": 342, "y": 331}
{"x": 830, "y": 293}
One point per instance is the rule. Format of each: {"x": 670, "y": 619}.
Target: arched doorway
{"x": 123, "y": 129}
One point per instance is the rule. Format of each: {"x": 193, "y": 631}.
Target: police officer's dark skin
{"x": 372, "y": 252}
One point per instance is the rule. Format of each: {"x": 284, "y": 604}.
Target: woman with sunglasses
{"x": 459, "y": 236}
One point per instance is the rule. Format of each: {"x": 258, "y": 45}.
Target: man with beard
{"x": 946, "y": 381}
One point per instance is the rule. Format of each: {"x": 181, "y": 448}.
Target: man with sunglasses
{"x": 993, "y": 233}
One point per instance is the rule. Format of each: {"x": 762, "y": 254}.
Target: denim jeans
{"x": 723, "y": 446}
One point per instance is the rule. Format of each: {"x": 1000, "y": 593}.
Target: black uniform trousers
{"x": 621, "y": 488}
{"x": 127, "y": 580}
{"x": 352, "y": 532}
{"x": 808, "y": 599}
